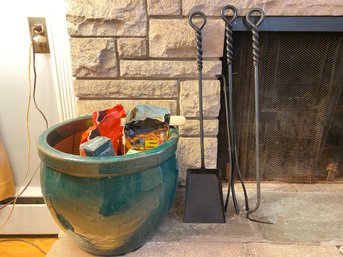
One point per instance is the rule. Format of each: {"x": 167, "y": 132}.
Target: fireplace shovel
{"x": 204, "y": 198}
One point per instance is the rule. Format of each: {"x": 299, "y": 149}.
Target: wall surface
{"x": 14, "y": 86}
{"x": 139, "y": 51}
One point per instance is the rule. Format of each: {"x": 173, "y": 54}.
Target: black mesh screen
{"x": 301, "y": 129}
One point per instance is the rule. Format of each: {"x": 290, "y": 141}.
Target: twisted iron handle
{"x": 228, "y": 31}
{"x": 198, "y": 30}
{"x": 255, "y": 36}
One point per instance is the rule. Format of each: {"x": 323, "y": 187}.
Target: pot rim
{"x": 86, "y": 166}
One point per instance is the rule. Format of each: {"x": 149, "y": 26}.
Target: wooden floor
{"x": 25, "y": 246}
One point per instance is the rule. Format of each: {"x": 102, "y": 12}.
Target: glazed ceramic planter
{"x": 107, "y": 205}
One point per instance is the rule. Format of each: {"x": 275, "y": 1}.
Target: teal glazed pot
{"x": 107, "y": 205}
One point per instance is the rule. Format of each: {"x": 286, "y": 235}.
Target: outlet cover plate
{"x": 39, "y": 48}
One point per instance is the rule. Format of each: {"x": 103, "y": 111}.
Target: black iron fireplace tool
{"x": 204, "y": 198}
{"x": 253, "y": 22}
{"x": 230, "y": 121}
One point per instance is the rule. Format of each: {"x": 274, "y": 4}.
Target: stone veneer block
{"x": 189, "y": 98}
{"x": 132, "y": 47}
{"x": 271, "y": 7}
{"x": 93, "y": 57}
{"x": 188, "y": 154}
{"x": 167, "y": 69}
{"x": 86, "y": 107}
{"x": 191, "y": 128}
{"x": 164, "y": 7}
{"x": 182, "y": 43}
{"x": 106, "y": 18}
{"x": 126, "y": 88}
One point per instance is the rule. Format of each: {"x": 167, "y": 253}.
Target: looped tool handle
{"x": 224, "y": 11}
{"x": 255, "y": 36}
{"x": 228, "y": 31}
{"x": 198, "y": 30}
{"x": 259, "y": 21}
{"x": 193, "y": 25}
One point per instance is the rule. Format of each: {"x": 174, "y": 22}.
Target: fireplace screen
{"x": 301, "y": 104}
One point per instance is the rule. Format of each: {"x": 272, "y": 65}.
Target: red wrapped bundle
{"x": 107, "y": 124}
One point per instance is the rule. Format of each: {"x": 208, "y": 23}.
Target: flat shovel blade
{"x": 204, "y": 197}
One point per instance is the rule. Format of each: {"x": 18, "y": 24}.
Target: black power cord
{"x": 37, "y": 29}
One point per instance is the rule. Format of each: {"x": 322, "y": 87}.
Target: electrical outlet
{"x": 39, "y": 35}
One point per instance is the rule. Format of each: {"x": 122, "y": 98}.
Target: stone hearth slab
{"x": 308, "y": 221}
{"x": 64, "y": 247}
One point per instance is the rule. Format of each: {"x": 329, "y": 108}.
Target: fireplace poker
{"x": 256, "y": 56}
{"x": 230, "y": 121}
{"x": 204, "y": 198}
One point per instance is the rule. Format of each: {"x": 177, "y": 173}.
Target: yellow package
{"x": 146, "y": 127}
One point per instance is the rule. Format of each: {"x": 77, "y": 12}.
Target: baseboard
{"x": 28, "y": 217}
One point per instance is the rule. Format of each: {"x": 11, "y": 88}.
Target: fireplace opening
{"x": 301, "y": 104}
